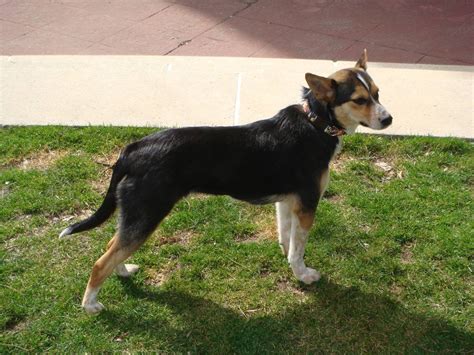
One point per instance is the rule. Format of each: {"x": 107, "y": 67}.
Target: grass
{"x": 393, "y": 240}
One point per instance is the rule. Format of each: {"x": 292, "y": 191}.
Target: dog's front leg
{"x": 301, "y": 223}
{"x": 283, "y": 212}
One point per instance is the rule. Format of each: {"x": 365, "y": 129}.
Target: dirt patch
{"x": 76, "y": 216}
{"x": 339, "y": 164}
{"x": 41, "y": 160}
{"x": 396, "y": 290}
{"x": 159, "y": 277}
{"x": 286, "y": 286}
{"x": 265, "y": 227}
{"x": 182, "y": 238}
{"x": 266, "y": 230}
{"x": 16, "y": 324}
{"x": 4, "y": 191}
{"x": 335, "y": 198}
{"x": 106, "y": 161}
{"x": 407, "y": 253}
{"x": 388, "y": 167}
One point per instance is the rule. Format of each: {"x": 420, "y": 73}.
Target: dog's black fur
{"x": 257, "y": 163}
{"x": 281, "y": 159}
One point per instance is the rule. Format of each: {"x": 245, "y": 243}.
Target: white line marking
{"x": 362, "y": 80}
{"x": 237, "y": 100}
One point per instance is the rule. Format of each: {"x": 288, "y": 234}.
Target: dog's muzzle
{"x": 386, "y": 121}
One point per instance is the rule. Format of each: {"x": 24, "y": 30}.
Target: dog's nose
{"x": 386, "y": 121}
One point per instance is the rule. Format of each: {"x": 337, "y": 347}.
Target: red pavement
{"x": 403, "y": 31}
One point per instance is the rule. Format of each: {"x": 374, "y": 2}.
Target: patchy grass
{"x": 393, "y": 240}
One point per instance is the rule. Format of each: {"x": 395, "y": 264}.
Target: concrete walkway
{"x": 414, "y": 31}
{"x": 185, "y": 91}
{"x": 420, "y": 52}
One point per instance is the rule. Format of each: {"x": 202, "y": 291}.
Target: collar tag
{"x": 334, "y": 131}
{"x": 312, "y": 116}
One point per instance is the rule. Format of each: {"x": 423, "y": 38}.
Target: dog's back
{"x": 268, "y": 157}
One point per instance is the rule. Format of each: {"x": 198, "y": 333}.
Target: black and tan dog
{"x": 283, "y": 159}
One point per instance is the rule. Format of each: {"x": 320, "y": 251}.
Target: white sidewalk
{"x": 183, "y": 91}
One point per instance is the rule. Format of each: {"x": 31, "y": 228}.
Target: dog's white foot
{"x": 126, "y": 270}
{"x": 93, "y": 308}
{"x": 308, "y": 276}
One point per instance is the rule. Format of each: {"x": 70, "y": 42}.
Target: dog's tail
{"x": 108, "y": 205}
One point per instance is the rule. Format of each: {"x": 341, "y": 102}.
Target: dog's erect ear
{"x": 323, "y": 89}
{"x": 362, "y": 62}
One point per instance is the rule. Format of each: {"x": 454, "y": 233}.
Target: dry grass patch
{"x": 339, "y": 164}
{"x": 42, "y": 160}
{"x": 181, "y": 237}
{"x": 396, "y": 289}
{"x": 285, "y": 286}
{"x": 107, "y": 162}
{"x": 407, "y": 253}
{"x": 389, "y": 168}
{"x": 265, "y": 222}
{"x": 158, "y": 277}
{"x": 334, "y": 198}
{"x": 4, "y": 191}
{"x": 76, "y": 216}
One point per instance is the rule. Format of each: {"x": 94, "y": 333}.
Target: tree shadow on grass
{"x": 334, "y": 319}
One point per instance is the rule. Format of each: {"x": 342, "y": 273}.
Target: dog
{"x": 283, "y": 160}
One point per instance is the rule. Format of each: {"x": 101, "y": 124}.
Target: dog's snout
{"x": 386, "y": 121}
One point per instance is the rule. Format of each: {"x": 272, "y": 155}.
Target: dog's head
{"x": 352, "y": 95}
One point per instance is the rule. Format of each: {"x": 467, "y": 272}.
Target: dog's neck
{"x": 321, "y": 115}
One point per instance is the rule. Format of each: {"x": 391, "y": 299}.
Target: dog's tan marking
{"x": 321, "y": 87}
{"x": 107, "y": 262}
{"x": 111, "y": 241}
{"x": 340, "y": 75}
{"x": 360, "y": 92}
{"x": 122, "y": 270}
{"x": 103, "y": 267}
{"x": 301, "y": 222}
{"x": 306, "y": 218}
{"x": 373, "y": 88}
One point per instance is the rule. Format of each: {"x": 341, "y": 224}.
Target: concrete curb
{"x": 188, "y": 91}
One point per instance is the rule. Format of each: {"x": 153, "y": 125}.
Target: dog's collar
{"x": 320, "y": 123}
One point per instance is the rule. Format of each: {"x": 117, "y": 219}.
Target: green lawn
{"x": 393, "y": 239}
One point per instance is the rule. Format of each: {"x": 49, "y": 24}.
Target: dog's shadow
{"x": 334, "y": 319}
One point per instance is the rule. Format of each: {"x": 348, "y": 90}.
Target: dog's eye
{"x": 360, "y": 101}
{"x": 376, "y": 96}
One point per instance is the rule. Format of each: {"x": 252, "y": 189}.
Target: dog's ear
{"x": 323, "y": 89}
{"x": 362, "y": 62}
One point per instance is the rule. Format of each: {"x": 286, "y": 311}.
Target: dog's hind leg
{"x": 115, "y": 255}
{"x": 123, "y": 270}
{"x": 283, "y": 212}
{"x": 139, "y": 217}
{"x": 301, "y": 222}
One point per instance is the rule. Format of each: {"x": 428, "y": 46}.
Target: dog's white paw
{"x": 93, "y": 308}
{"x": 308, "y": 276}
{"x": 126, "y": 270}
